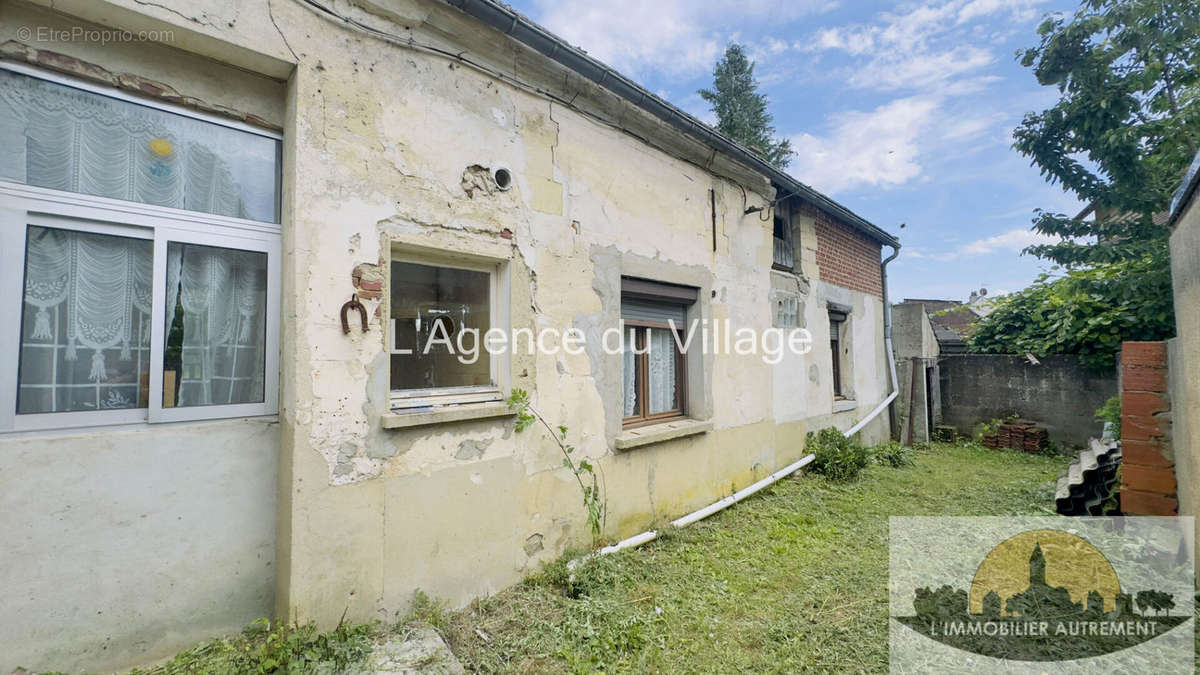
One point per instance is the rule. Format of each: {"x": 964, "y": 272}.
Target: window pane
{"x": 60, "y": 137}
{"x": 85, "y": 324}
{"x": 630, "y": 374}
{"x": 215, "y": 352}
{"x": 663, "y": 396}
{"x": 430, "y": 305}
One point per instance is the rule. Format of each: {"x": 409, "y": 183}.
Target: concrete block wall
{"x": 1058, "y": 392}
{"x": 1148, "y": 485}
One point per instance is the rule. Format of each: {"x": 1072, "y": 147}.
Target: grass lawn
{"x": 793, "y": 578}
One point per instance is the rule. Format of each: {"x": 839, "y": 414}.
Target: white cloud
{"x": 923, "y": 47}
{"x": 873, "y": 148}
{"x": 674, "y": 37}
{"x": 920, "y": 70}
{"x": 1013, "y": 240}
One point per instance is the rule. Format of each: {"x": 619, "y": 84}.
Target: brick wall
{"x": 845, "y": 256}
{"x": 1147, "y": 471}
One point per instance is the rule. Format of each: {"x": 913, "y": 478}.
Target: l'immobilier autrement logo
{"x": 1038, "y": 591}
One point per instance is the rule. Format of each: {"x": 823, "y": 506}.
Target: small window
{"x": 837, "y": 324}
{"x": 654, "y": 365}
{"x": 440, "y": 317}
{"x": 782, "y": 256}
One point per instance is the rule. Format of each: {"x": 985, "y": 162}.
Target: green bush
{"x": 837, "y": 457}
{"x": 1111, "y": 412}
{"x": 893, "y": 454}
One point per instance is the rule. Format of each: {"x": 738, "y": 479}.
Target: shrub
{"x": 1111, "y": 412}
{"x": 893, "y": 454}
{"x": 837, "y": 457}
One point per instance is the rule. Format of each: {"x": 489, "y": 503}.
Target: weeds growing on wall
{"x": 585, "y": 473}
{"x": 837, "y": 457}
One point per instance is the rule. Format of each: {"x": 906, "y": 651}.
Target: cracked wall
{"x": 389, "y": 149}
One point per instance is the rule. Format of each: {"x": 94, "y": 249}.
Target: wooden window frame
{"x": 788, "y": 264}
{"x": 643, "y": 417}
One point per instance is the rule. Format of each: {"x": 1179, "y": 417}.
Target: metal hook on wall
{"x": 362, "y": 312}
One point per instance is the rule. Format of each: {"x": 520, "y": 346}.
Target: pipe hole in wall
{"x": 503, "y": 178}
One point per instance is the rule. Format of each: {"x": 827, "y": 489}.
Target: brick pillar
{"x": 1148, "y": 468}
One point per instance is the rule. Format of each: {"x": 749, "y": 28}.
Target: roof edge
{"x": 504, "y": 19}
{"x": 1186, "y": 192}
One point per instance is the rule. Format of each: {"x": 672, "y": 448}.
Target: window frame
{"x": 403, "y": 401}
{"x": 642, "y": 386}
{"x": 783, "y": 246}
{"x": 635, "y": 288}
{"x": 837, "y": 321}
{"x": 24, "y": 205}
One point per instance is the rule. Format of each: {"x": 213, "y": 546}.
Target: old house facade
{"x": 189, "y": 438}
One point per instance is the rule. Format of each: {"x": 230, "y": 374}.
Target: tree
{"x": 1124, "y": 128}
{"x": 741, "y": 111}
{"x": 1088, "y": 312}
{"x": 1120, "y": 137}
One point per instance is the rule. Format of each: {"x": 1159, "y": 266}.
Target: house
{"x": 225, "y": 228}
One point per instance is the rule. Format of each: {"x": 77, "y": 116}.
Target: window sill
{"x": 845, "y": 405}
{"x": 420, "y": 417}
{"x": 657, "y": 433}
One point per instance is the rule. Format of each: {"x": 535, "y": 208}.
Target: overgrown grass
{"x": 794, "y": 578}
{"x": 266, "y": 647}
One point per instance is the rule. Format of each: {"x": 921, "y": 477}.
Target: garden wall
{"x": 1058, "y": 393}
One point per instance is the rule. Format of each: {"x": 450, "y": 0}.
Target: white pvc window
{"x": 126, "y": 312}
{"x": 435, "y": 299}
{"x": 64, "y": 135}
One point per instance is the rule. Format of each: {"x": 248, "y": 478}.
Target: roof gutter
{"x": 516, "y": 26}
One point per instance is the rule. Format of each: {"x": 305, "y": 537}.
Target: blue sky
{"x": 901, "y": 111}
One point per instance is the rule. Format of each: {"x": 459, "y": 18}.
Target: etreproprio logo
{"x": 1041, "y": 594}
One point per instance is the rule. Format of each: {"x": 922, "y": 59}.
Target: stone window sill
{"x": 657, "y": 433}
{"x": 452, "y": 413}
{"x": 845, "y": 405}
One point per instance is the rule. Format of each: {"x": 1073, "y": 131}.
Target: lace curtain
{"x": 216, "y": 304}
{"x": 662, "y": 371}
{"x": 662, "y": 395}
{"x": 630, "y": 375}
{"x": 58, "y": 137}
{"x": 88, "y": 301}
{"x": 83, "y": 293}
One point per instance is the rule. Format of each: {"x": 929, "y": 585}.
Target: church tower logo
{"x": 1043, "y": 595}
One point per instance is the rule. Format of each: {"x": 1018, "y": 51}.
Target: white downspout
{"x": 721, "y": 504}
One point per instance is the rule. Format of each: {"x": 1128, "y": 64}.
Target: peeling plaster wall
{"x": 384, "y": 145}
{"x": 379, "y": 145}
{"x": 124, "y": 545}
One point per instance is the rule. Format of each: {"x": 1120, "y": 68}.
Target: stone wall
{"x": 1058, "y": 393}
